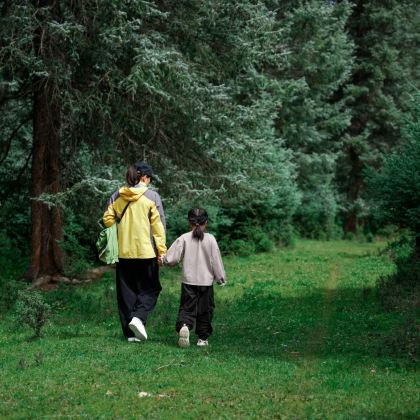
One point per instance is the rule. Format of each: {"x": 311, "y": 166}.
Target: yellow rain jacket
{"x": 141, "y": 232}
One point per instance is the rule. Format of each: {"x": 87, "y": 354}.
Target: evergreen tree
{"x": 108, "y": 83}
{"x": 395, "y": 187}
{"x": 385, "y": 72}
{"x": 315, "y": 63}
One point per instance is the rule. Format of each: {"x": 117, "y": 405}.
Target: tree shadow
{"x": 323, "y": 324}
{"x": 263, "y": 322}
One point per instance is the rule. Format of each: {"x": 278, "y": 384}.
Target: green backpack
{"x": 107, "y": 242}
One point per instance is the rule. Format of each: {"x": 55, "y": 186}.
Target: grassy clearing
{"x": 299, "y": 333}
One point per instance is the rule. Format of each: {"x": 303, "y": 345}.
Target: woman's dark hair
{"x": 198, "y": 217}
{"x": 132, "y": 176}
{"x": 136, "y": 171}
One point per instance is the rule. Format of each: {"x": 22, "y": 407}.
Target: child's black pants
{"x": 138, "y": 289}
{"x": 196, "y": 307}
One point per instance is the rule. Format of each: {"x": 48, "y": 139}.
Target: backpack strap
{"x": 123, "y": 212}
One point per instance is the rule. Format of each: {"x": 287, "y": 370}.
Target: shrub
{"x": 315, "y": 217}
{"x": 264, "y": 244}
{"x": 237, "y": 229}
{"x": 13, "y": 265}
{"x": 261, "y": 240}
{"x": 32, "y": 310}
{"x": 350, "y": 236}
{"x": 395, "y": 188}
{"x": 370, "y": 237}
{"x": 241, "y": 248}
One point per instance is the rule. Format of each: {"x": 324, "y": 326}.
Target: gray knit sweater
{"x": 201, "y": 260}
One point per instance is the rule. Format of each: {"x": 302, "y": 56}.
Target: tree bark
{"x": 354, "y": 186}
{"x": 46, "y": 253}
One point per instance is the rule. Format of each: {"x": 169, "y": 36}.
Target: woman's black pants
{"x": 138, "y": 289}
{"x": 196, "y": 307}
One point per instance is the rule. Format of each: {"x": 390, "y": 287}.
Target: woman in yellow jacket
{"x": 141, "y": 239}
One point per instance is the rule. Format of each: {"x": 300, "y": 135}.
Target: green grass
{"x": 298, "y": 333}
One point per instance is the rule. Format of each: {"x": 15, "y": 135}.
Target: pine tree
{"x": 385, "y": 72}
{"x": 395, "y": 187}
{"x": 181, "y": 85}
{"x": 315, "y": 63}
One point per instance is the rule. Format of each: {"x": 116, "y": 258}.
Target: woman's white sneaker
{"x": 138, "y": 328}
{"x": 202, "y": 343}
{"x": 184, "y": 337}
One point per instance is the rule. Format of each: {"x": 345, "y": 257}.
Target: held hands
{"x": 221, "y": 282}
{"x": 160, "y": 260}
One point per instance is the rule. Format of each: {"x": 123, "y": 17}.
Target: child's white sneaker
{"x": 133, "y": 340}
{"x": 202, "y": 343}
{"x": 138, "y": 328}
{"x": 184, "y": 337}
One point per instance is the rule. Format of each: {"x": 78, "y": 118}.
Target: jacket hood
{"x": 132, "y": 193}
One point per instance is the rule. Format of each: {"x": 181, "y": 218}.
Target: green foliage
{"x": 32, "y": 310}
{"x": 349, "y": 236}
{"x": 13, "y": 265}
{"x": 236, "y": 233}
{"x": 316, "y": 216}
{"x": 262, "y": 241}
{"x": 370, "y": 237}
{"x": 250, "y": 109}
{"x": 401, "y": 250}
{"x": 185, "y": 87}
{"x": 378, "y": 96}
{"x": 239, "y": 247}
{"x": 395, "y": 187}
{"x": 312, "y": 116}
{"x": 77, "y": 247}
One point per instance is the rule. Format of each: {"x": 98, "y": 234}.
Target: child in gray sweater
{"x": 201, "y": 266}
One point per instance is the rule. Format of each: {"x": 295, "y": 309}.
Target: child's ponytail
{"x": 198, "y": 233}
{"x": 198, "y": 217}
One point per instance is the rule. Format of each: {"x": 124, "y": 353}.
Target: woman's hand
{"x": 160, "y": 260}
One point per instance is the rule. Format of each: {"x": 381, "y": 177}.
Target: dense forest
{"x": 282, "y": 118}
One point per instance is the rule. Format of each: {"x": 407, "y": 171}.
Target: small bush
{"x": 388, "y": 231}
{"x": 32, "y": 310}
{"x": 370, "y": 237}
{"x": 265, "y": 245}
{"x": 77, "y": 255}
{"x": 242, "y": 248}
{"x": 349, "y": 236}
{"x": 13, "y": 265}
{"x": 394, "y": 189}
{"x": 9, "y": 290}
{"x": 238, "y": 229}
{"x": 261, "y": 240}
{"x": 315, "y": 217}
{"x": 401, "y": 250}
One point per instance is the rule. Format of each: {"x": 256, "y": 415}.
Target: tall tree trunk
{"x": 354, "y": 186}
{"x": 46, "y": 253}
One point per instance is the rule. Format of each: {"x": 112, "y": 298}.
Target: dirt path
{"x": 316, "y": 339}
{"x": 309, "y": 359}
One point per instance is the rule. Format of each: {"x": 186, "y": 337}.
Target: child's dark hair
{"x": 198, "y": 217}
{"x": 132, "y": 176}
